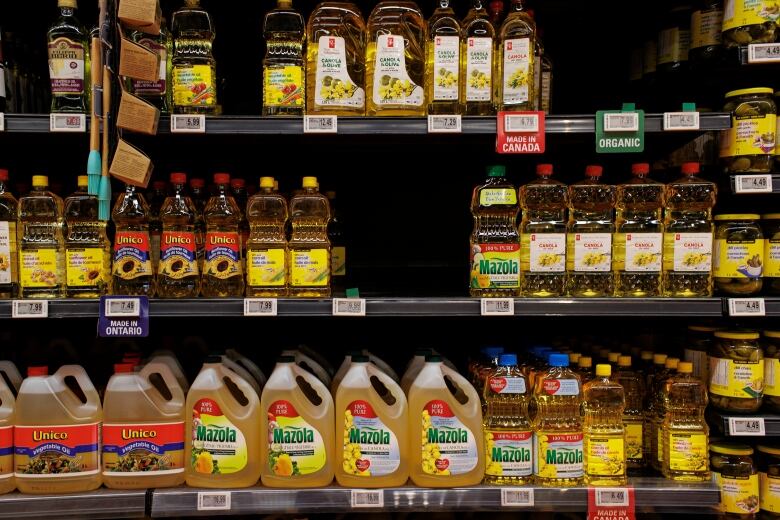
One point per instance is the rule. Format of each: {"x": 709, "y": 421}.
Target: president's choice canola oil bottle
{"x": 633, "y": 415}
{"x": 132, "y": 268}
{"x": 660, "y": 394}
{"x": 604, "y": 442}
{"x": 477, "y": 54}
{"x": 442, "y": 62}
{"x": 7, "y": 420}
{"x": 266, "y": 249}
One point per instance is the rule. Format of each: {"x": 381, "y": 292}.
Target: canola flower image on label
{"x": 694, "y": 259}
{"x": 430, "y": 450}
{"x": 518, "y": 79}
{"x": 479, "y": 80}
{"x": 334, "y": 88}
{"x": 446, "y": 78}
{"x": 643, "y": 259}
{"x": 352, "y": 454}
{"x": 394, "y": 88}
{"x": 549, "y": 259}
{"x": 595, "y": 258}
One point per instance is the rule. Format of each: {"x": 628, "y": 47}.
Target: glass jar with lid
{"x": 698, "y": 344}
{"x": 748, "y": 21}
{"x": 770, "y": 342}
{"x": 768, "y": 463}
{"x": 737, "y": 478}
{"x": 736, "y": 372}
{"x": 771, "y": 226}
{"x": 738, "y": 254}
{"x": 749, "y": 145}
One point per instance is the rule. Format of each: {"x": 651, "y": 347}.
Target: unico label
{"x": 56, "y": 451}
{"x": 295, "y": 446}
{"x": 6, "y": 452}
{"x": 149, "y": 448}
{"x": 131, "y": 255}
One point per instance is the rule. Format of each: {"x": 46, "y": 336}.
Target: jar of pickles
{"x": 749, "y": 145}
{"x": 738, "y": 260}
{"x": 737, "y": 478}
{"x": 699, "y": 342}
{"x": 770, "y": 342}
{"x": 768, "y": 462}
{"x": 748, "y": 21}
{"x": 771, "y": 225}
{"x": 736, "y": 372}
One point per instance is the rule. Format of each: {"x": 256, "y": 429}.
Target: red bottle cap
{"x": 178, "y": 178}
{"x": 497, "y": 5}
{"x": 37, "y": 371}
{"x": 594, "y": 170}
{"x": 158, "y": 185}
{"x": 123, "y": 368}
{"x": 640, "y": 169}
{"x": 690, "y": 168}
{"x": 197, "y": 183}
{"x": 544, "y": 169}
{"x": 237, "y": 183}
{"x": 221, "y": 178}
{"x": 3, "y": 175}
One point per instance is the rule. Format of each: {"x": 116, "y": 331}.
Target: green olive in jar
{"x": 736, "y": 372}
{"x": 749, "y": 145}
{"x": 768, "y": 462}
{"x": 771, "y": 226}
{"x": 737, "y": 478}
{"x": 748, "y": 21}
{"x": 738, "y": 262}
{"x": 770, "y": 342}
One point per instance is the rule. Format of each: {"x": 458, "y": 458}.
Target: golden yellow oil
{"x": 87, "y": 248}
{"x": 477, "y": 67}
{"x": 442, "y": 62}
{"x": 604, "y": 433}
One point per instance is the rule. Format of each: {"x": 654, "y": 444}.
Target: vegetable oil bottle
{"x": 41, "y": 245}
{"x": 266, "y": 249}
{"x": 395, "y": 60}
{"x": 495, "y": 244}
{"x": 638, "y": 243}
{"x": 685, "y": 431}
{"x": 9, "y": 263}
{"x": 413, "y": 368}
{"x": 445, "y": 409}
{"x": 87, "y": 248}
{"x": 633, "y": 416}
{"x": 604, "y": 433}
{"x": 284, "y": 89}
{"x": 336, "y": 50}
{"x": 69, "y": 65}
{"x": 650, "y": 435}
{"x": 688, "y": 235}
{"x": 543, "y": 235}
{"x": 659, "y": 394}
{"x": 194, "y": 67}
{"x": 508, "y": 434}
{"x": 517, "y": 40}
{"x": 585, "y": 369}
{"x": 374, "y": 440}
{"x": 223, "y": 274}
{"x": 309, "y": 244}
{"x": 442, "y": 63}
{"x": 589, "y": 239}
{"x": 478, "y": 42}
{"x": 132, "y": 271}
{"x": 178, "y": 275}
{"x": 7, "y": 420}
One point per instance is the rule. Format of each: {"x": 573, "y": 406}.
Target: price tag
{"x": 611, "y": 503}
{"x": 365, "y": 498}
{"x": 621, "y": 122}
{"x": 513, "y": 497}
{"x": 747, "y": 426}
{"x": 521, "y": 123}
{"x": 620, "y": 131}
{"x": 259, "y": 306}
{"x": 123, "y": 317}
{"x": 444, "y": 124}
{"x": 67, "y": 123}
{"x": 497, "y": 307}
{"x": 320, "y": 124}
{"x": 349, "y": 307}
{"x": 753, "y": 183}
{"x": 747, "y": 307}
{"x": 213, "y": 500}
{"x": 764, "y": 53}
{"x": 681, "y": 121}
{"x": 122, "y": 307}
{"x": 2, "y": 122}
{"x": 188, "y": 124}
{"x": 30, "y": 309}
{"x": 520, "y": 133}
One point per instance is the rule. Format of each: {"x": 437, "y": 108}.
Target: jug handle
{"x": 247, "y": 389}
{"x": 177, "y": 394}
{"x": 314, "y": 381}
{"x": 391, "y": 384}
{"x": 81, "y": 377}
{"x": 464, "y": 384}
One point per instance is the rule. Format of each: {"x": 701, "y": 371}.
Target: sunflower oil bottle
{"x": 558, "y": 441}
{"x": 507, "y": 427}
{"x": 633, "y": 415}
{"x": 309, "y": 245}
{"x": 395, "y": 60}
{"x": 688, "y": 234}
{"x": 589, "y": 236}
{"x": 284, "y": 77}
{"x": 194, "y": 67}
{"x": 660, "y": 393}
{"x": 132, "y": 266}
{"x": 266, "y": 249}
{"x": 223, "y": 273}
{"x": 7, "y": 421}
{"x": 41, "y": 245}
{"x": 585, "y": 369}
{"x": 543, "y": 235}
{"x": 638, "y": 243}
{"x": 604, "y": 433}
{"x": 517, "y": 41}
{"x": 477, "y": 54}
{"x": 9, "y": 262}
{"x": 495, "y": 242}
{"x": 335, "y": 60}
{"x": 178, "y": 274}
{"x": 442, "y": 62}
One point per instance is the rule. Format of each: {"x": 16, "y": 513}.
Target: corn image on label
{"x": 335, "y": 88}
{"x": 84, "y": 267}
{"x": 738, "y": 13}
{"x": 56, "y": 451}
{"x": 509, "y": 454}
{"x": 634, "y": 441}
{"x": 495, "y": 266}
{"x": 370, "y": 448}
{"x": 736, "y": 378}
{"x": 448, "y": 446}
{"x": 772, "y": 376}
{"x": 223, "y": 255}
{"x": 131, "y": 255}
{"x": 218, "y": 447}
{"x": 177, "y": 255}
{"x": 738, "y": 495}
{"x": 6, "y": 452}
{"x": 129, "y": 449}
{"x": 543, "y": 252}
{"x": 687, "y": 451}
{"x": 590, "y": 252}
{"x": 266, "y": 267}
{"x": 688, "y": 252}
{"x": 38, "y": 268}
{"x": 769, "y": 495}
{"x": 310, "y": 268}
{"x": 605, "y": 455}
{"x": 294, "y": 446}
{"x": 559, "y": 455}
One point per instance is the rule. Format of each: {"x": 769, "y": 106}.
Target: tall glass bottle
{"x": 132, "y": 269}
{"x": 178, "y": 274}
{"x": 194, "y": 67}
{"x": 477, "y": 73}
{"x": 9, "y": 266}
{"x": 442, "y": 63}
{"x": 674, "y": 39}
{"x": 266, "y": 250}
{"x": 223, "y": 273}
{"x": 68, "y": 46}
{"x": 517, "y": 41}
{"x": 310, "y": 256}
{"x": 159, "y": 92}
{"x": 706, "y": 32}
{"x": 284, "y": 89}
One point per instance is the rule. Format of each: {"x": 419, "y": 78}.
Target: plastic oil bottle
{"x": 132, "y": 267}
{"x": 155, "y": 197}
{"x": 478, "y": 43}
{"x": 298, "y": 435}
{"x": 495, "y": 242}
{"x": 413, "y": 368}
{"x": 248, "y": 365}
{"x": 374, "y": 441}
{"x": 395, "y": 60}
{"x": 558, "y": 425}
{"x": 266, "y": 249}
{"x": 284, "y": 88}
{"x": 10, "y": 375}
{"x": 650, "y": 435}
{"x": 87, "y": 248}
{"x": 309, "y": 244}
{"x": 338, "y": 246}
{"x": 660, "y": 392}
{"x": 178, "y": 274}
{"x": 543, "y": 235}
{"x": 685, "y": 431}
{"x": 589, "y": 236}
{"x": 638, "y": 243}
{"x": 57, "y": 432}
{"x": 7, "y": 421}
{"x": 194, "y": 66}
{"x": 633, "y": 415}
{"x": 41, "y": 244}
{"x": 9, "y": 262}
{"x": 143, "y": 429}
{"x": 310, "y": 365}
{"x": 604, "y": 432}
{"x": 507, "y": 427}
{"x": 585, "y": 369}
{"x": 688, "y": 235}
{"x": 446, "y": 410}
{"x": 516, "y": 68}
{"x": 442, "y": 62}
{"x": 223, "y": 274}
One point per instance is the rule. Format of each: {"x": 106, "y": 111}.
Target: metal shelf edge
{"x": 102, "y": 503}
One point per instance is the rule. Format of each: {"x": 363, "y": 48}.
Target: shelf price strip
{"x": 320, "y": 124}
{"x": 188, "y": 124}
{"x": 67, "y": 123}
{"x": 681, "y": 121}
{"x": 753, "y": 183}
{"x": 746, "y": 307}
{"x": 764, "y": 53}
{"x": 260, "y": 307}
{"x": 367, "y": 498}
{"x": 442, "y": 124}
{"x": 747, "y": 426}
{"x": 513, "y": 497}
{"x": 497, "y": 307}
{"x": 30, "y": 309}
{"x": 214, "y": 500}
{"x": 349, "y": 307}
{"x": 609, "y": 503}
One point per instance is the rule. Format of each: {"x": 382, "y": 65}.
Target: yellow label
{"x": 659, "y": 444}
{"x": 9, "y": 269}
{"x": 39, "y": 268}
{"x": 634, "y": 441}
{"x": 84, "y": 267}
{"x": 310, "y": 268}
{"x": 495, "y": 266}
{"x": 266, "y": 267}
{"x": 218, "y": 446}
{"x": 772, "y": 377}
{"x": 688, "y": 452}
{"x": 772, "y": 257}
{"x": 770, "y": 493}
{"x": 739, "y": 13}
{"x": 194, "y": 85}
{"x": 338, "y": 261}
{"x": 605, "y": 456}
{"x": 731, "y": 378}
{"x": 494, "y": 196}
{"x": 738, "y": 495}
{"x": 559, "y": 455}
{"x": 735, "y": 259}
{"x": 749, "y": 135}
{"x": 509, "y": 453}
{"x": 283, "y": 86}
{"x": 706, "y": 28}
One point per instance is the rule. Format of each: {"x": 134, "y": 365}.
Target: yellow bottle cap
{"x": 624, "y": 361}
{"x": 613, "y": 357}
{"x": 729, "y": 448}
{"x": 67, "y": 3}
{"x": 659, "y": 359}
{"x": 768, "y": 449}
{"x": 685, "y": 367}
{"x": 267, "y": 182}
{"x": 83, "y": 181}
{"x": 772, "y": 334}
{"x": 736, "y": 335}
{"x": 574, "y": 357}
{"x": 647, "y": 355}
{"x": 603, "y": 370}
{"x": 746, "y": 91}
{"x": 738, "y": 216}
{"x": 40, "y": 181}
{"x": 704, "y": 328}
{"x": 771, "y": 216}
{"x": 310, "y": 182}
{"x": 585, "y": 362}
{"x": 672, "y": 363}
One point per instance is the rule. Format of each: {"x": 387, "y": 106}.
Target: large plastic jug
{"x": 170, "y": 359}
{"x": 381, "y": 365}
{"x": 57, "y": 432}
{"x": 309, "y": 364}
{"x": 342, "y": 371}
{"x": 143, "y": 428}
{"x": 319, "y": 358}
{"x": 223, "y": 445}
{"x": 10, "y": 375}
{"x": 242, "y": 373}
{"x": 373, "y": 411}
{"x": 445, "y": 408}
{"x": 248, "y": 365}
{"x": 413, "y": 368}
{"x": 7, "y": 403}
{"x": 298, "y": 434}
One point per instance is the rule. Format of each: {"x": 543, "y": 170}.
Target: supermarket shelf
{"x": 103, "y": 503}
{"x": 32, "y": 124}
{"x": 775, "y": 182}
{"x": 722, "y": 420}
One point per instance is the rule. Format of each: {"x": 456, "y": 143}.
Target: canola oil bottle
{"x": 132, "y": 266}
{"x": 242, "y": 372}
{"x": 382, "y": 365}
{"x": 633, "y": 414}
{"x": 395, "y": 60}
{"x": 7, "y": 421}
{"x": 585, "y": 369}
{"x": 143, "y": 428}
{"x": 9, "y": 261}
{"x": 477, "y": 71}
{"x": 309, "y": 364}
{"x": 284, "y": 80}
{"x": 57, "y": 433}
{"x": 442, "y": 62}
{"x": 373, "y": 411}
{"x": 248, "y": 365}
{"x": 223, "y": 418}
{"x": 178, "y": 274}
{"x": 604, "y": 442}
{"x": 309, "y": 244}
{"x": 414, "y": 367}
{"x": 444, "y": 408}
{"x": 516, "y": 67}
{"x": 298, "y": 437}
{"x": 660, "y": 395}
{"x": 266, "y": 249}
{"x": 223, "y": 273}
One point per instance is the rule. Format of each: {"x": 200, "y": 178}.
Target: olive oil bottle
{"x": 223, "y": 273}
{"x": 284, "y": 90}
{"x": 442, "y": 64}
{"x": 132, "y": 267}
{"x": 478, "y": 42}
{"x": 517, "y": 42}
{"x": 9, "y": 263}
{"x": 194, "y": 66}
{"x": 69, "y": 64}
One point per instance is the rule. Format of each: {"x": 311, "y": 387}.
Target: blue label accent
{"x": 222, "y": 251}
{"x": 53, "y": 446}
{"x": 6, "y": 451}
{"x": 178, "y": 251}
{"x": 146, "y": 446}
{"x": 130, "y": 251}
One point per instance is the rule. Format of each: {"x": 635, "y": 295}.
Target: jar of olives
{"x": 768, "y": 462}
{"x": 771, "y": 225}
{"x": 699, "y": 342}
{"x": 738, "y": 261}
{"x": 749, "y": 145}
{"x": 771, "y": 345}
{"x": 736, "y": 372}
{"x": 737, "y": 478}
{"x": 748, "y": 21}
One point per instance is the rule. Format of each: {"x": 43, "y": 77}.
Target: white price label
{"x": 747, "y": 426}
{"x": 618, "y": 497}
{"x": 260, "y": 307}
{"x": 753, "y": 183}
{"x": 320, "y": 124}
{"x": 680, "y": 121}
{"x": 214, "y": 501}
{"x": 2, "y": 122}
{"x": 514, "y": 497}
{"x": 621, "y": 122}
{"x": 67, "y": 123}
{"x": 747, "y": 307}
{"x": 349, "y": 307}
{"x": 521, "y": 123}
{"x": 30, "y": 309}
{"x": 122, "y": 307}
{"x": 444, "y": 124}
{"x": 764, "y": 53}
{"x": 363, "y": 498}
{"x": 188, "y": 124}
{"x": 497, "y": 307}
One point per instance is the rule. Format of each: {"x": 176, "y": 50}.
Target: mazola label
{"x": 295, "y": 447}
{"x": 218, "y": 446}
{"x": 448, "y": 446}
{"x": 370, "y": 447}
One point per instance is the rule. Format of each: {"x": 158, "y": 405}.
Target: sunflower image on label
{"x": 131, "y": 255}
{"x": 38, "y": 268}
{"x": 218, "y": 446}
{"x": 84, "y": 267}
{"x": 6, "y": 452}
{"x": 738, "y": 258}
{"x": 738, "y": 495}
{"x": 266, "y": 267}
{"x": 518, "y": 63}
{"x": 223, "y": 255}
{"x": 641, "y": 252}
{"x": 283, "y": 86}
{"x": 590, "y": 252}
{"x": 66, "y": 67}
{"x": 732, "y": 378}
{"x": 194, "y": 85}
{"x": 688, "y": 451}
{"x": 769, "y": 494}
{"x": 370, "y": 448}
{"x": 334, "y": 87}
{"x": 158, "y": 87}
{"x": 509, "y": 453}
{"x": 446, "y": 67}
{"x": 688, "y": 252}
{"x": 739, "y": 13}
{"x": 546, "y": 252}
{"x": 56, "y": 451}
{"x": 634, "y": 440}
{"x": 559, "y": 455}
{"x": 310, "y": 268}
{"x": 8, "y": 260}
{"x": 178, "y": 255}
{"x": 495, "y": 266}
{"x": 606, "y": 455}
{"x": 479, "y": 67}
{"x": 448, "y": 446}
{"x": 134, "y": 448}
{"x": 294, "y": 446}
{"x": 392, "y": 84}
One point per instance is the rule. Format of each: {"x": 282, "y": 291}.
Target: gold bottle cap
{"x": 685, "y": 367}
{"x": 603, "y": 370}
{"x": 574, "y": 357}
{"x": 67, "y": 3}
{"x": 729, "y": 448}
{"x": 267, "y": 182}
{"x": 613, "y": 357}
{"x": 83, "y": 181}
{"x": 310, "y": 182}
{"x": 647, "y": 355}
{"x": 659, "y": 359}
{"x": 672, "y": 363}
{"x": 40, "y": 181}
{"x": 585, "y": 362}
{"x": 624, "y": 361}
